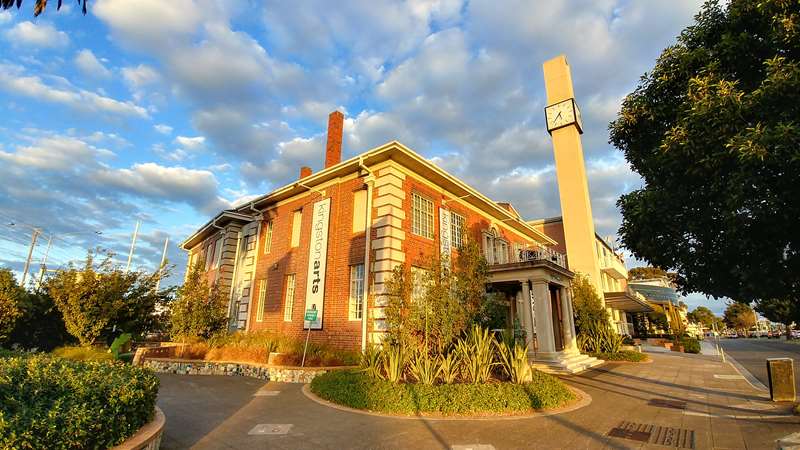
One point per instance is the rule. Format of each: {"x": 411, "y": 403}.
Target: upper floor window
{"x": 297, "y": 220}
{"x": 268, "y": 237}
{"x": 421, "y": 216}
{"x": 495, "y": 248}
{"x": 217, "y": 253}
{"x": 359, "y": 211}
{"x": 457, "y": 229}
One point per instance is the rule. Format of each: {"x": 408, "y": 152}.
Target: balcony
{"x": 530, "y": 255}
{"x": 614, "y": 266}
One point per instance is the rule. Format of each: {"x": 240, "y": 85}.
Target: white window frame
{"x": 262, "y": 300}
{"x": 288, "y": 300}
{"x": 457, "y": 223}
{"x": 268, "y": 236}
{"x": 422, "y": 215}
{"x": 217, "y": 253}
{"x": 297, "y": 223}
{"x": 356, "y": 302}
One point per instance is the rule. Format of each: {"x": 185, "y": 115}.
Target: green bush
{"x": 78, "y": 353}
{"x": 690, "y": 344}
{"x": 358, "y": 390}
{"x": 625, "y": 355}
{"x": 598, "y": 337}
{"x": 55, "y": 403}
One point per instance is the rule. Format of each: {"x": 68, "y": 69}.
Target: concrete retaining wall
{"x": 261, "y": 371}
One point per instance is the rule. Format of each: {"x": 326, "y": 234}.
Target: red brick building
{"x": 306, "y": 245}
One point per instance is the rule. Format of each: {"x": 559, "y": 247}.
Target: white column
{"x": 524, "y": 313}
{"x": 570, "y": 341}
{"x": 544, "y": 319}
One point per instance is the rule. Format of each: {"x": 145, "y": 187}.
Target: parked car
{"x": 795, "y": 334}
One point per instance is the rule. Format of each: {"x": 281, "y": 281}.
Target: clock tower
{"x": 565, "y": 126}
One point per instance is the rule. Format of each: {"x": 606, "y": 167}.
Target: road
{"x": 753, "y": 353}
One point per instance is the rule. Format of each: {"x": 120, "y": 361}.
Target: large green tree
{"x": 101, "y": 301}
{"x": 199, "y": 310}
{"x": 785, "y": 311}
{"x": 703, "y": 316}
{"x": 714, "y": 132}
{"x": 739, "y": 316}
{"x": 10, "y": 296}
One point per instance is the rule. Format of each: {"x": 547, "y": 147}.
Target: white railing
{"x": 541, "y": 254}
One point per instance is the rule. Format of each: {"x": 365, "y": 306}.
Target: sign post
{"x": 310, "y": 317}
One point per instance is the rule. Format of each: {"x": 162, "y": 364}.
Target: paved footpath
{"x": 678, "y": 401}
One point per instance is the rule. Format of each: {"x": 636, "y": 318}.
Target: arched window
{"x": 495, "y": 248}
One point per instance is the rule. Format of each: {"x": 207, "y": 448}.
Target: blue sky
{"x": 167, "y": 111}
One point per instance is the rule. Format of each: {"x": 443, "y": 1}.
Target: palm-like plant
{"x": 476, "y": 352}
{"x": 423, "y": 367}
{"x": 514, "y": 360}
{"x": 39, "y": 6}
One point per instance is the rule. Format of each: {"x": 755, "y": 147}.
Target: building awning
{"x": 628, "y": 301}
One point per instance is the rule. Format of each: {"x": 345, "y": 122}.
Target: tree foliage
{"x": 658, "y": 319}
{"x": 703, "y": 316}
{"x": 713, "y": 130}
{"x": 739, "y": 316}
{"x": 586, "y": 304}
{"x": 102, "y": 302}
{"x": 39, "y": 6}
{"x": 785, "y": 311}
{"x": 643, "y": 273}
{"x": 449, "y": 300}
{"x": 199, "y": 310}
{"x": 10, "y": 296}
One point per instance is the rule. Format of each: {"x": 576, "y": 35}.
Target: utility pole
{"x": 36, "y": 233}
{"x": 161, "y": 266}
{"x": 43, "y": 269}
{"x": 133, "y": 245}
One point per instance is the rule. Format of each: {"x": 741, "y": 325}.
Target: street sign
{"x": 311, "y": 315}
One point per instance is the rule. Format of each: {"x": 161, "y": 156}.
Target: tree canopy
{"x": 713, "y": 130}
{"x": 785, "y": 311}
{"x": 10, "y": 296}
{"x": 199, "y": 310}
{"x": 739, "y": 316}
{"x": 39, "y": 6}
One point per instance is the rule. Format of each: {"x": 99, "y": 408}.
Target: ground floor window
{"x": 288, "y": 304}
{"x": 356, "y": 302}
{"x": 262, "y": 295}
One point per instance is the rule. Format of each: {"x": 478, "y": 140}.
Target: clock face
{"x": 563, "y": 113}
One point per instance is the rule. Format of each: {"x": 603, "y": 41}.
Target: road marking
{"x": 270, "y": 429}
{"x": 266, "y": 393}
{"x": 734, "y": 416}
{"x": 472, "y": 447}
{"x": 728, "y": 377}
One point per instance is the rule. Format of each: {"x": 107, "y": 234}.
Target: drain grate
{"x": 663, "y": 403}
{"x": 653, "y": 434}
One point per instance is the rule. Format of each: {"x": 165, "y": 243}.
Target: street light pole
{"x": 133, "y": 245}
{"x": 36, "y": 233}
{"x": 163, "y": 260}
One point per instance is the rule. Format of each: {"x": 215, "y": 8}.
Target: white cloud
{"x": 54, "y": 153}
{"x": 17, "y": 83}
{"x": 140, "y": 76}
{"x": 42, "y": 35}
{"x": 87, "y": 63}
{"x": 5, "y": 17}
{"x": 191, "y": 143}
{"x": 163, "y": 129}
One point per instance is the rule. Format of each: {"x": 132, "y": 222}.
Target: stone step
{"x": 569, "y": 365}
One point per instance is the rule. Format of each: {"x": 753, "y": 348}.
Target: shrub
{"x": 476, "y": 352}
{"x": 598, "y": 337}
{"x": 357, "y": 390}
{"x": 41, "y": 326}
{"x": 586, "y": 303}
{"x": 449, "y": 365}
{"x": 55, "y": 403}
{"x": 514, "y": 360}
{"x": 424, "y": 367}
{"x": 83, "y": 354}
{"x": 690, "y": 344}
{"x": 10, "y": 295}
{"x": 394, "y": 362}
{"x": 625, "y": 355}
{"x": 199, "y": 311}
{"x": 372, "y": 361}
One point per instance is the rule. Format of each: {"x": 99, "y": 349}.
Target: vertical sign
{"x": 445, "y": 242}
{"x": 317, "y": 256}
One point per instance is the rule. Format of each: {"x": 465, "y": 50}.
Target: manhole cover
{"x": 663, "y": 403}
{"x": 266, "y": 393}
{"x": 270, "y": 429}
{"x": 653, "y": 434}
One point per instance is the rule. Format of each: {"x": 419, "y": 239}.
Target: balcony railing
{"x": 534, "y": 254}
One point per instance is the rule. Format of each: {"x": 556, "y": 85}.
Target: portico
{"x": 537, "y": 287}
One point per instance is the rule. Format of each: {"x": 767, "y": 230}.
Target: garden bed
{"x": 355, "y": 389}
{"x": 622, "y": 356}
{"x": 48, "y": 402}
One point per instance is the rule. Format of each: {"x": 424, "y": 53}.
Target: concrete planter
{"x": 273, "y": 358}
{"x": 148, "y": 437}
{"x": 677, "y": 348}
{"x": 285, "y": 374}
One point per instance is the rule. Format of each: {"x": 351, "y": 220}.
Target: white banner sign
{"x": 317, "y": 256}
{"x": 445, "y": 240}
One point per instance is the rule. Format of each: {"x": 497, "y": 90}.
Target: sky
{"x": 166, "y": 112}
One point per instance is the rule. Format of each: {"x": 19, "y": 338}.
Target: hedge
{"x": 625, "y": 355}
{"x": 54, "y": 403}
{"x": 690, "y": 344}
{"x": 357, "y": 390}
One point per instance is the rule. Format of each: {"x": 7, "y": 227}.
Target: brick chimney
{"x": 305, "y": 171}
{"x": 333, "y": 150}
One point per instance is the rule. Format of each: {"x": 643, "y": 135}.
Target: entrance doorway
{"x": 558, "y": 319}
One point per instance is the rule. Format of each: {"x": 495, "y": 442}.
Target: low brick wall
{"x": 148, "y": 437}
{"x": 261, "y": 371}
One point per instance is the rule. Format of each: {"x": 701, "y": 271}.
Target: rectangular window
{"x": 268, "y": 238}
{"x": 297, "y": 220}
{"x": 209, "y": 256}
{"x": 457, "y": 229}
{"x": 217, "y": 253}
{"x": 419, "y": 280}
{"x": 192, "y": 261}
{"x": 356, "y": 291}
{"x": 421, "y": 216}
{"x": 359, "y": 211}
{"x": 262, "y": 300}
{"x": 288, "y": 304}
